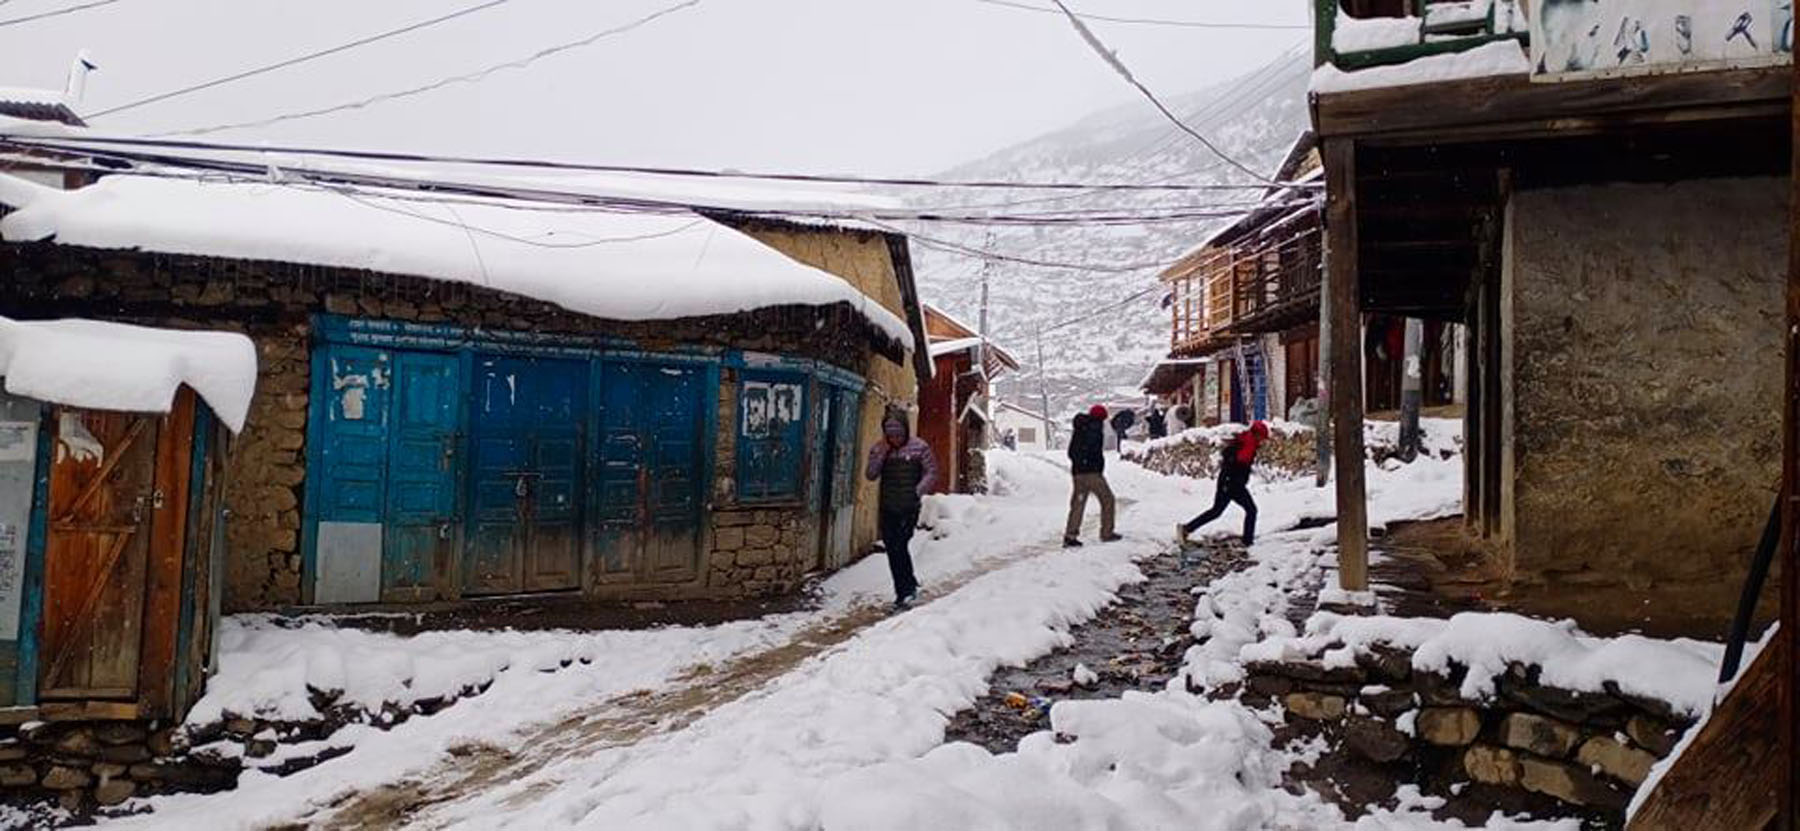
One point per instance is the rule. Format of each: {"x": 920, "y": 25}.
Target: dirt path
{"x": 478, "y": 768}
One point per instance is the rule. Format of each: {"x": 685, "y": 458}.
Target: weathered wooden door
{"x": 525, "y": 472}
{"x": 648, "y": 490}
{"x": 103, "y": 496}
{"x": 420, "y": 520}
{"x": 837, "y": 506}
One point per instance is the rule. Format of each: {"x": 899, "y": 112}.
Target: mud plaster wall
{"x": 274, "y": 303}
{"x": 1647, "y": 373}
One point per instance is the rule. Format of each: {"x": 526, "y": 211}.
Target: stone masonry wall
{"x": 1647, "y": 348}
{"x": 754, "y": 551}
{"x": 1590, "y": 750}
{"x": 274, "y": 303}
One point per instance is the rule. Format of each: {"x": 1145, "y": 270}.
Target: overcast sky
{"x": 864, "y": 86}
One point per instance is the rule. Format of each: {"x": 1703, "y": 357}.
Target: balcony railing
{"x": 1354, "y": 34}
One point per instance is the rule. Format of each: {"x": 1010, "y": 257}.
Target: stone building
{"x": 470, "y": 399}
{"x": 1611, "y": 230}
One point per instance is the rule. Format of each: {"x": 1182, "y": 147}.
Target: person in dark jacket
{"x": 1122, "y": 422}
{"x": 907, "y": 471}
{"x": 1235, "y": 459}
{"x": 1158, "y": 422}
{"x": 1087, "y": 469}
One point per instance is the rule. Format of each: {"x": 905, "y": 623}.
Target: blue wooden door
{"x": 352, "y": 388}
{"x": 420, "y": 517}
{"x": 648, "y": 490}
{"x": 526, "y": 437}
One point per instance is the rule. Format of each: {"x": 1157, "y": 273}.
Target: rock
{"x": 195, "y": 776}
{"x": 1654, "y": 706}
{"x": 259, "y": 748}
{"x": 64, "y": 778}
{"x": 1577, "y": 707}
{"x": 108, "y": 770}
{"x": 1374, "y": 739}
{"x": 1540, "y": 735}
{"x": 114, "y": 791}
{"x": 1492, "y": 765}
{"x": 1652, "y": 734}
{"x": 12, "y": 751}
{"x": 73, "y": 801}
{"x": 14, "y": 776}
{"x": 1569, "y": 784}
{"x": 240, "y": 727}
{"x": 1438, "y": 691}
{"x": 1270, "y": 686}
{"x": 1389, "y": 703}
{"x": 1315, "y": 706}
{"x": 1307, "y": 671}
{"x": 1449, "y": 726}
{"x": 79, "y": 742}
{"x": 119, "y": 732}
{"x": 1386, "y": 664}
{"x": 126, "y": 754}
{"x": 1621, "y": 762}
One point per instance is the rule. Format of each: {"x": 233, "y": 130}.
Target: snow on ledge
{"x": 1364, "y": 34}
{"x": 1502, "y": 57}
{"x": 623, "y": 266}
{"x": 1680, "y": 672}
{"x": 113, "y": 366}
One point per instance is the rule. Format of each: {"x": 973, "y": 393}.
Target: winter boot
{"x": 1110, "y": 538}
{"x": 1071, "y": 542}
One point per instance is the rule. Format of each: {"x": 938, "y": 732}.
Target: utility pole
{"x": 1411, "y": 390}
{"x": 1044, "y": 390}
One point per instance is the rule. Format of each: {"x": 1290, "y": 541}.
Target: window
{"x": 771, "y": 436}
{"x": 1028, "y": 435}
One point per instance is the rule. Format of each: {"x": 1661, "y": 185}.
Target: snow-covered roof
{"x": 623, "y": 266}
{"x": 36, "y": 105}
{"x": 113, "y": 366}
{"x": 947, "y": 347}
{"x": 1501, "y": 57}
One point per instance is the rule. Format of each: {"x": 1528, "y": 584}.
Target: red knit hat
{"x": 1097, "y": 411}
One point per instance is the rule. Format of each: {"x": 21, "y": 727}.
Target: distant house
{"x": 954, "y": 406}
{"x": 23, "y": 104}
{"x": 470, "y": 399}
{"x": 1027, "y": 428}
{"x": 1244, "y": 312}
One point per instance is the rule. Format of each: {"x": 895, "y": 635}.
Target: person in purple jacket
{"x": 907, "y": 471}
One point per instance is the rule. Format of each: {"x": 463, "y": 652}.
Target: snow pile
{"x": 1503, "y": 57}
{"x": 1679, "y": 672}
{"x": 113, "y": 366}
{"x": 1460, "y": 13}
{"x": 622, "y": 266}
{"x": 1359, "y": 34}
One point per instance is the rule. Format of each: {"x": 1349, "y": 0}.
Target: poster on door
{"x": 1576, "y": 39}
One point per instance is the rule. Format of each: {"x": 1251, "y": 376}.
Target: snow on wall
{"x": 113, "y": 366}
{"x": 1363, "y": 34}
{"x": 1504, "y": 57}
{"x": 611, "y": 265}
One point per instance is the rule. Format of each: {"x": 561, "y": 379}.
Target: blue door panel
{"x": 527, "y": 433}
{"x": 421, "y": 504}
{"x": 648, "y": 490}
{"x": 354, "y": 434}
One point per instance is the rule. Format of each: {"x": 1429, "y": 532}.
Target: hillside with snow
{"x": 1104, "y": 354}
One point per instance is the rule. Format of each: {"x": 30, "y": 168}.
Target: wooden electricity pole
{"x": 1346, "y": 363}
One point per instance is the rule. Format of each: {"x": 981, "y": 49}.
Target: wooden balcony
{"x": 1442, "y": 27}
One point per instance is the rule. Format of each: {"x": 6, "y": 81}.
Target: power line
{"x": 83, "y": 144}
{"x": 411, "y": 27}
{"x": 58, "y": 12}
{"x": 1112, "y": 59}
{"x": 470, "y": 77}
{"x": 1189, "y": 24}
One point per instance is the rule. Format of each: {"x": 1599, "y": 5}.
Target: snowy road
{"x": 833, "y": 720}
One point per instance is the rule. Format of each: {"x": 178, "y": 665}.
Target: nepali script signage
{"x": 1575, "y": 39}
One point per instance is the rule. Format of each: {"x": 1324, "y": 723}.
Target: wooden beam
{"x": 1511, "y": 105}
{"x": 1728, "y": 775}
{"x": 1346, "y": 363}
{"x": 1789, "y": 642}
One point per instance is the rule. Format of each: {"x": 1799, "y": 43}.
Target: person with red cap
{"x": 1235, "y": 460}
{"x": 1087, "y": 468}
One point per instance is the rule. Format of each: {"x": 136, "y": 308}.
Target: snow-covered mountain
{"x": 1104, "y": 353}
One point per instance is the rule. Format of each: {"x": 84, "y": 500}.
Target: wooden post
{"x": 1346, "y": 363}
{"x": 1412, "y": 391}
{"x": 1789, "y": 640}
{"x": 1322, "y": 421}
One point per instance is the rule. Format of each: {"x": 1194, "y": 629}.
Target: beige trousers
{"x": 1085, "y": 484}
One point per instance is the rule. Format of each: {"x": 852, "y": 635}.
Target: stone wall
{"x": 82, "y": 765}
{"x": 1647, "y": 373}
{"x": 274, "y": 304}
{"x": 753, "y": 551}
{"x": 1585, "y": 749}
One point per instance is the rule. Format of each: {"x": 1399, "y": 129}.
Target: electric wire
{"x": 1189, "y": 24}
{"x": 57, "y": 12}
{"x": 296, "y": 60}
{"x": 469, "y": 77}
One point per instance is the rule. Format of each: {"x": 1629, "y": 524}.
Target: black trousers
{"x": 896, "y": 536}
{"x": 1231, "y": 489}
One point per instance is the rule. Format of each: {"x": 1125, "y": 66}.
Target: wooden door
{"x": 419, "y": 522}
{"x": 648, "y": 490}
{"x": 526, "y": 470}
{"x": 96, "y": 562}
